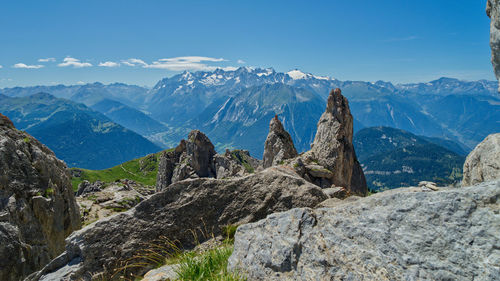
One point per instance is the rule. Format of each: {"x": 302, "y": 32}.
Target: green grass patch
{"x": 242, "y": 158}
{"x": 208, "y": 265}
{"x": 142, "y": 170}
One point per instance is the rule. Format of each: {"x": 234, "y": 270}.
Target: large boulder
{"x": 402, "y": 234}
{"x": 37, "y": 207}
{"x": 278, "y": 146}
{"x": 182, "y": 207}
{"x": 483, "y": 163}
{"x": 493, "y": 11}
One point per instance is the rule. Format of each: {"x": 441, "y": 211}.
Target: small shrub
{"x": 49, "y": 192}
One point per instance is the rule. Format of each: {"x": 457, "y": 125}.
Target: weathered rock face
{"x": 332, "y": 161}
{"x": 395, "y": 235}
{"x": 493, "y": 11}
{"x": 196, "y": 158}
{"x": 37, "y": 206}
{"x": 168, "y": 161}
{"x": 173, "y": 212}
{"x": 278, "y": 146}
{"x": 100, "y": 200}
{"x": 483, "y": 163}
{"x": 235, "y": 163}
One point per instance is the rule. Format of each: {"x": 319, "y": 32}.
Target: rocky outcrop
{"x": 235, "y": 163}
{"x": 168, "y": 161}
{"x": 37, "y": 206}
{"x": 278, "y": 146}
{"x": 493, "y": 11}
{"x": 86, "y": 187}
{"x": 100, "y": 200}
{"x": 182, "y": 207}
{"x": 332, "y": 161}
{"x": 483, "y": 163}
{"x": 196, "y": 158}
{"x": 400, "y": 234}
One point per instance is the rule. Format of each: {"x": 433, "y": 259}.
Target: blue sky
{"x": 140, "y": 42}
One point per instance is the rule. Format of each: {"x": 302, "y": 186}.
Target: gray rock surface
{"x": 110, "y": 198}
{"x": 168, "y": 161}
{"x": 197, "y": 159}
{"x": 86, "y": 187}
{"x": 493, "y": 11}
{"x": 164, "y": 273}
{"x": 235, "y": 163}
{"x": 37, "y": 207}
{"x": 483, "y": 163}
{"x": 182, "y": 207}
{"x": 402, "y": 234}
{"x": 278, "y": 146}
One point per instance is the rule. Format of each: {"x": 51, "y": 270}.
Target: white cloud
{"x": 80, "y": 83}
{"x": 241, "y": 61}
{"x": 1, "y": 66}
{"x": 22, "y": 65}
{"x": 134, "y": 62}
{"x": 47, "y": 60}
{"x": 76, "y": 63}
{"x": 193, "y": 63}
{"x": 109, "y": 64}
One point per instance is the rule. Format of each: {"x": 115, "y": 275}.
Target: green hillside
{"x": 77, "y": 134}
{"x": 142, "y": 170}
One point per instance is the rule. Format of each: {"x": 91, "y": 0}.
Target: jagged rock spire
{"x": 333, "y": 148}
{"x": 279, "y": 144}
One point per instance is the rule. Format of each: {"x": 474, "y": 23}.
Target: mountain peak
{"x": 297, "y": 74}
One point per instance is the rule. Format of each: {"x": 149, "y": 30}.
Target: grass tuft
{"x": 208, "y": 265}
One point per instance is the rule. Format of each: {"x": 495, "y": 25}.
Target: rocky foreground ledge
{"x": 403, "y": 234}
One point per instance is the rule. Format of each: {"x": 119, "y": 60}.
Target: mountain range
{"x": 77, "y": 134}
{"x": 234, "y": 107}
{"x": 393, "y": 158}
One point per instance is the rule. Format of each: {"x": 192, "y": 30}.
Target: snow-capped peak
{"x": 297, "y": 74}
{"x": 265, "y": 72}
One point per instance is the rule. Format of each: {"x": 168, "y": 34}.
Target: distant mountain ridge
{"x": 189, "y": 100}
{"x": 77, "y": 134}
{"x": 394, "y": 158}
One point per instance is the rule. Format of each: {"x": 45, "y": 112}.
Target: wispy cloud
{"x": 26, "y": 66}
{"x": 1, "y": 66}
{"x": 76, "y": 63}
{"x": 408, "y": 38}
{"x": 47, "y": 60}
{"x": 109, "y": 64}
{"x": 134, "y": 62}
{"x": 241, "y": 61}
{"x": 194, "y": 63}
